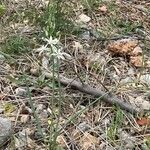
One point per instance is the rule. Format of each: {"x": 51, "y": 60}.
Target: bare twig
{"x": 99, "y": 38}
{"x": 109, "y": 98}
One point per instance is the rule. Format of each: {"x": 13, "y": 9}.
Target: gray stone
{"x": 145, "y": 79}
{"x": 127, "y": 80}
{"x": 40, "y": 108}
{"x": 5, "y": 130}
{"x": 2, "y": 58}
{"x": 86, "y": 35}
{"x": 84, "y": 126}
{"x": 127, "y": 139}
{"x": 21, "y": 91}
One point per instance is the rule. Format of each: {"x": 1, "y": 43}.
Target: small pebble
{"x": 86, "y": 35}
{"x": 2, "y": 59}
{"x": 25, "y": 118}
{"x": 40, "y": 108}
{"x": 84, "y": 18}
{"x": 5, "y": 130}
{"x": 84, "y": 126}
{"x": 21, "y": 91}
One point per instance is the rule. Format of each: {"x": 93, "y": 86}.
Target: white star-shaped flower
{"x": 42, "y": 49}
{"x": 51, "y": 41}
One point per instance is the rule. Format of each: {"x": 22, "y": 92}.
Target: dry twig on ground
{"x": 109, "y": 98}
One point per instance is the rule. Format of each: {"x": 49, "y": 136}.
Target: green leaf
{"x": 2, "y": 9}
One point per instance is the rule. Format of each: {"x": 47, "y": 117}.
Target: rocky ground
{"x": 101, "y": 49}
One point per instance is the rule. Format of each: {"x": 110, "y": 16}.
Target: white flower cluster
{"x": 52, "y": 48}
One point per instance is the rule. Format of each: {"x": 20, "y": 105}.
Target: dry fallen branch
{"x": 109, "y": 98}
{"x": 96, "y": 36}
